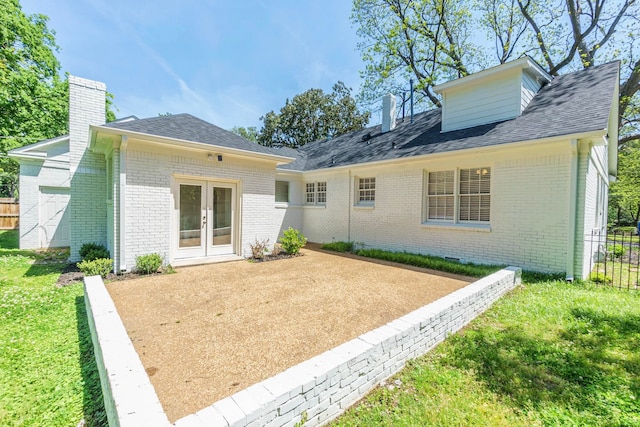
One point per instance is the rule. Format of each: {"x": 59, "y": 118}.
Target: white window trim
{"x": 456, "y": 223}
{"x": 364, "y": 203}
{"x": 315, "y": 193}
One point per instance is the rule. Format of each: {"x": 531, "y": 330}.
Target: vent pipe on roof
{"x": 388, "y": 113}
{"x": 404, "y": 100}
{"x": 411, "y": 97}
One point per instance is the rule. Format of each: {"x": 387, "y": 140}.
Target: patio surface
{"x": 210, "y": 331}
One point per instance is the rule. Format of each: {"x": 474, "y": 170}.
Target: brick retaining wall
{"x": 321, "y": 387}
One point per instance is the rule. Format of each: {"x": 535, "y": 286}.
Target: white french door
{"x": 206, "y": 218}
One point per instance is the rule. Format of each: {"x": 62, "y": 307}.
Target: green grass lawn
{"x": 550, "y": 353}
{"x": 547, "y": 354}
{"x": 48, "y": 375}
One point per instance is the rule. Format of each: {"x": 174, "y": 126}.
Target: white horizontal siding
{"x": 489, "y": 102}
{"x": 530, "y": 87}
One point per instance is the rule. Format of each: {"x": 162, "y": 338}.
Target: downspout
{"x": 351, "y": 184}
{"x": 121, "y": 204}
{"x": 573, "y": 203}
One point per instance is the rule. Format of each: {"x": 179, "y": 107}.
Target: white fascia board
{"x": 191, "y": 145}
{"x": 27, "y": 151}
{"x": 523, "y": 63}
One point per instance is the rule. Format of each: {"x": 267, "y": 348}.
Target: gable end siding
{"x": 530, "y": 87}
{"x": 493, "y": 101}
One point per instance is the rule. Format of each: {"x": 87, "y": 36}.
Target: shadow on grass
{"x": 93, "y": 403}
{"x": 590, "y": 369}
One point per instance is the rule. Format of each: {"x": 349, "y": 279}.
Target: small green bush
{"x": 616, "y": 251}
{"x": 338, "y": 246}
{"x": 599, "y": 277}
{"x": 149, "y": 263}
{"x": 292, "y": 241}
{"x": 93, "y": 251}
{"x": 96, "y": 267}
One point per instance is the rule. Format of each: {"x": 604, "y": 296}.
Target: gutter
{"x": 573, "y": 203}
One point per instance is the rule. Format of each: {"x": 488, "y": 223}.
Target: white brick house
{"x": 514, "y": 169}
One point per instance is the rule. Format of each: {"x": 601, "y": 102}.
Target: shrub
{"x": 96, "y": 267}
{"x": 338, "y": 246}
{"x": 259, "y": 248}
{"x": 616, "y": 251}
{"x": 292, "y": 240}
{"x": 93, "y": 251}
{"x": 149, "y": 263}
{"x": 599, "y": 277}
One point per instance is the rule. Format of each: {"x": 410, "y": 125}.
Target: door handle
{"x": 204, "y": 221}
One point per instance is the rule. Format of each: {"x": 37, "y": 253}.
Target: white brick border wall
{"x": 322, "y": 387}
{"x": 129, "y": 397}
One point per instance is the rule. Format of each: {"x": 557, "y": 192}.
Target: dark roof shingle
{"x": 189, "y": 128}
{"x": 573, "y": 103}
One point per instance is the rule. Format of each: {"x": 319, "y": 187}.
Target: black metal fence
{"x": 615, "y": 259}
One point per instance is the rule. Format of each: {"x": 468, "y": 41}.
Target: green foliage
{"x": 338, "y": 246}
{"x": 292, "y": 241}
{"x": 259, "y": 248}
{"x": 97, "y": 267}
{"x": 93, "y": 251}
{"x": 433, "y": 41}
{"x": 551, "y": 353}
{"x": 312, "y": 116}
{"x": 600, "y": 277}
{"x": 33, "y": 95}
{"x": 149, "y": 263}
{"x": 48, "y": 374}
{"x": 624, "y": 200}
{"x": 251, "y": 133}
{"x": 432, "y": 262}
{"x": 616, "y": 251}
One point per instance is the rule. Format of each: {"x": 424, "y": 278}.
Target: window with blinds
{"x": 440, "y": 196}
{"x": 475, "y": 194}
{"x": 461, "y": 198}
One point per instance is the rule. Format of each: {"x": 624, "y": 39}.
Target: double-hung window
{"x": 366, "y": 191}
{"x": 310, "y": 193}
{"x": 440, "y": 195}
{"x": 315, "y": 193}
{"x": 464, "y": 196}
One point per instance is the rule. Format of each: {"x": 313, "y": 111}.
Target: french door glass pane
{"x": 221, "y": 216}
{"x": 190, "y": 220}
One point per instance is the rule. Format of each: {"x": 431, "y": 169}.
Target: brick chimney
{"x": 88, "y": 211}
{"x": 388, "y": 112}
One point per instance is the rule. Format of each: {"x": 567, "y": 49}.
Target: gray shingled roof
{"x": 572, "y": 103}
{"x": 189, "y": 128}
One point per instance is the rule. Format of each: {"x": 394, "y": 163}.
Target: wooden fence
{"x": 9, "y": 214}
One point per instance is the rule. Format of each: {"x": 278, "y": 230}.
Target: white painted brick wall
{"x": 33, "y": 175}
{"x": 149, "y": 200}
{"x": 88, "y": 211}
{"x": 530, "y": 209}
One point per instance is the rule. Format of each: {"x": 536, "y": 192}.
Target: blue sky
{"x": 228, "y": 62}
